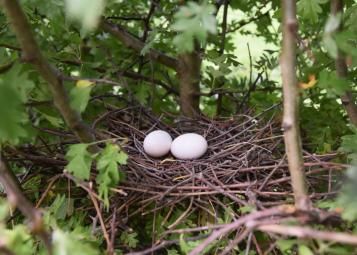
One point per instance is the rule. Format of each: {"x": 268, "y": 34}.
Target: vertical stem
{"x": 189, "y": 79}
{"x": 341, "y": 69}
{"x": 290, "y": 123}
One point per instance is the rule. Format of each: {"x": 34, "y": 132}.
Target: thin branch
{"x": 110, "y": 248}
{"x": 243, "y": 23}
{"x": 136, "y": 44}
{"x": 306, "y": 232}
{"x": 290, "y": 123}
{"x": 17, "y": 198}
{"x": 234, "y": 225}
{"x": 32, "y": 54}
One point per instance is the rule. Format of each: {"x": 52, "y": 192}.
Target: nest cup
{"x": 244, "y": 163}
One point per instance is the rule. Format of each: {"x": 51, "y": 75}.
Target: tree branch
{"x": 290, "y": 123}
{"x": 341, "y": 69}
{"x": 17, "y": 198}
{"x": 32, "y": 54}
{"x": 305, "y": 232}
{"x": 134, "y": 43}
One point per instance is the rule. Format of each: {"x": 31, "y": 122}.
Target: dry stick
{"x": 17, "y": 198}
{"x": 234, "y": 225}
{"x": 236, "y": 241}
{"x": 93, "y": 196}
{"x": 290, "y": 123}
{"x": 271, "y": 174}
{"x": 31, "y": 53}
{"x": 110, "y": 247}
{"x": 305, "y": 232}
{"x": 341, "y": 68}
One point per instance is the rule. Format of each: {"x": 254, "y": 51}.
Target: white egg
{"x": 157, "y": 143}
{"x": 189, "y": 146}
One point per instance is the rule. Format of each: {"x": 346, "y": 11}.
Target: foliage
{"x": 108, "y": 161}
{"x": 199, "y": 19}
{"x": 101, "y": 74}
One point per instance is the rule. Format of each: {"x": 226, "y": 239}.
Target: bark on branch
{"x": 32, "y": 54}
{"x": 290, "y": 123}
{"x": 137, "y": 45}
{"x": 341, "y": 69}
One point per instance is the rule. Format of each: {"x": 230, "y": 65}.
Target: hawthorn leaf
{"x": 68, "y": 243}
{"x": 109, "y": 175}
{"x": 14, "y": 89}
{"x": 304, "y": 250}
{"x": 310, "y": 9}
{"x": 79, "y": 161}
{"x": 193, "y": 21}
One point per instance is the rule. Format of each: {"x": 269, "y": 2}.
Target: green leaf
{"x": 18, "y": 240}
{"x": 109, "y": 174}
{"x": 79, "y": 97}
{"x": 304, "y": 250}
{"x": 334, "y": 85}
{"x": 330, "y": 45}
{"x": 310, "y": 9}
{"x": 61, "y": 207}
{"x": 150, "y": 42}
{"x": 14, "y": 89}
{"x": 129, "y": 239}
{"x": 87, "y": 12}
{"x": 67, "y": 243}
{"x": 4, "y": 209}
{"x": 172, "y": 252}
{"x": 79, "y": 161}
{"x": 193, "y": 21}
{"x": 285, "y": 244}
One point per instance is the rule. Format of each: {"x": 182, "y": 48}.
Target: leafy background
{"x": 69, "y": 36}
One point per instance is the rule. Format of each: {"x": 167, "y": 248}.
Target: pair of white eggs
{"x": 187, "y": 146}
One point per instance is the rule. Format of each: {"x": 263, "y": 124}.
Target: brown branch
{"x": 290, "y": 123}
{"x": 234, "y": 225}
{"x": 32, "y": 54}
{"x": 341, "y": 69}
{"x": 243, "y": 23}
{"x": 17, "y": 198}
{"x": 125, "y": 73}
{"x": 136, "y": 76}
{"x": 137, "y": 45}
{"x": 305, "y": 232}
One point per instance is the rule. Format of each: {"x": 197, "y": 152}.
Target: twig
{"x": 306, "y": 232}
{"x": 110, "y": 247}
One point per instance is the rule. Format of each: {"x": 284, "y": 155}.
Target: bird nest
{"x": 245, "y": 165}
